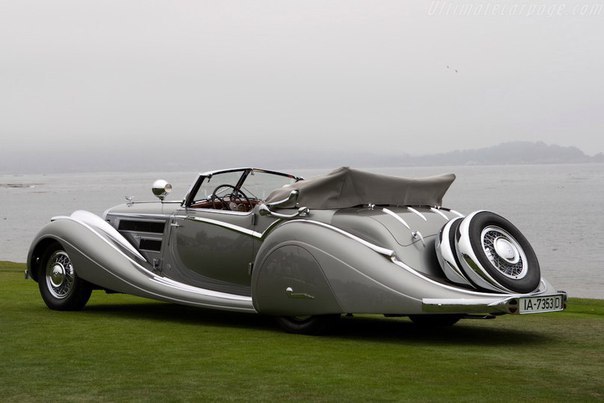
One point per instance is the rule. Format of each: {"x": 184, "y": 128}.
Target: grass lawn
{"x": 131, "y": 349}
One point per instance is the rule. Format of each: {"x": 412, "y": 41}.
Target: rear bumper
{"x": 496, "y": 305}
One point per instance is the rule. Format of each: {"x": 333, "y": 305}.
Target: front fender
{"x": 90, "y": 242}
{"x": 101, "y": 256}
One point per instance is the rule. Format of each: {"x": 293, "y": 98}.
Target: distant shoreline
{"x": 505, "y": 154}
{"x": 326, "y": 167}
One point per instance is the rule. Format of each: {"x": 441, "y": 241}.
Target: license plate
{"x": 548, "y": 303}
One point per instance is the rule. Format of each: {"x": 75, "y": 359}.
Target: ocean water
{"x": 559, "y": 208}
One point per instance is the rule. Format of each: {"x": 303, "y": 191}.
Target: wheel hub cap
{"x": 60, "y": 277}
{"x": 57, "y": 275}
{"x": 506, "y": 250}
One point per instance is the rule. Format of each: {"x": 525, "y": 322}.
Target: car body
{"x": 304, "y": 251}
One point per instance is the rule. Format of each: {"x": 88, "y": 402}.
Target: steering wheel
{"x": 236, "y": 197}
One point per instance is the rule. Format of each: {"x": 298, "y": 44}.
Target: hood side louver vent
{"x": 142, "y": 226}
{"x": 150, "y": 244}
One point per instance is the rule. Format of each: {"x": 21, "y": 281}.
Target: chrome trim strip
{"x": 383, "y": 251}
{"x": 233, "y": 227}
{"x": 141, "y": 215}
{"x": 397, "y": 217}
{"x": 411, "y": 270}
{"x": 457, "y": 213}
{"x": 375, "y": 248}
{"x": 270, "y": 228}
{"x": 411, "y": 209}
{"x": 223, "y": 224}
{"x": 439, "y": 212}
{"x": 222, "y": 212}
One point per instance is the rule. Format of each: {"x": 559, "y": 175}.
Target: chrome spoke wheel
{"x": 504, "y": 252}
{"x": 495, "y": 256}
{"x": 60, "y": 277}
{"x": 60, "y": 286}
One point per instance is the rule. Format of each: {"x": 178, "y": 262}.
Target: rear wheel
{"x": 59, "y": 285}
{"x": 307, "y": 324}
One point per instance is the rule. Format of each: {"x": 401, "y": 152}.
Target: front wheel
{"x": 313, "y": 325}
{"x": 60, "y": 286}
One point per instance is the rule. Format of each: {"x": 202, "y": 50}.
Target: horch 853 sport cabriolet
{"x": 303, "y": 251}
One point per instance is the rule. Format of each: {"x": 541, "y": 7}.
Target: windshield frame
{"x": 245, "y": 172}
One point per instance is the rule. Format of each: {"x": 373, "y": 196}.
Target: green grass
{"x": 124, "y": 348}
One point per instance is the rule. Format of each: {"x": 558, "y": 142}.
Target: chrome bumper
{"x": 496, "y": 305}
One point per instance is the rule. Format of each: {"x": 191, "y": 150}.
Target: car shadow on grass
{"x": 179, "y": 314}
{"x": 369, "y": 328}
{"x": 468, "y": 331}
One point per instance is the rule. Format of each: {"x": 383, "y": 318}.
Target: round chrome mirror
{"x": 161, "y": 188}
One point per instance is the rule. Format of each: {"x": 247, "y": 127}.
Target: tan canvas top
{"x": 346, "y": 187}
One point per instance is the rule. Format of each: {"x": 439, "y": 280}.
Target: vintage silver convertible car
{"x": 304, "y": 251}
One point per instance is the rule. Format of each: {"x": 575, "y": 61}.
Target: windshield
{"x": 260, "y": 183}
{"x": 250, "y": 184}
{"x": 222, "y": 183}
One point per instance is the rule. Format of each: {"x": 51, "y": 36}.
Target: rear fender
{"x": 310, "y": 268}
{"x": 306, "y": 267}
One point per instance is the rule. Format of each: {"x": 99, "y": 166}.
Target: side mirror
{"x": 161, "y": 188}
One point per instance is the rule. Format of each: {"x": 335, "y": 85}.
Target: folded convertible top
{"x": 346, "y": 187}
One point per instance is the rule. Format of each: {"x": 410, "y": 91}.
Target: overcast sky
{"x": 409, "y": 76}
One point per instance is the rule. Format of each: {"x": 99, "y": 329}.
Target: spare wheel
{"x": 495, "y": 255}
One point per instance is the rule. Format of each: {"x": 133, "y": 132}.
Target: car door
{"x": 213, "y": 237}
{"x": 212, "y": 248}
